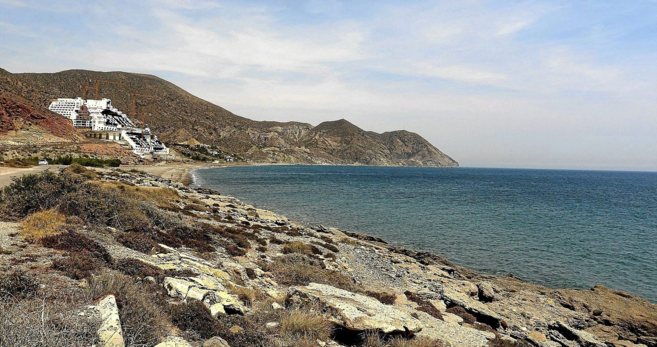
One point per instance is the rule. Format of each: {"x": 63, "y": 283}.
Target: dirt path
{"x": 7, "y": 173}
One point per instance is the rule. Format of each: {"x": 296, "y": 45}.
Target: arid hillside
{"x": 179, "y": 117}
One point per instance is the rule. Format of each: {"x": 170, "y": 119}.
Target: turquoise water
{"x": 557, "y": 228}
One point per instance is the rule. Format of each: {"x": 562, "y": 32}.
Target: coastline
{"x": 500, "y": 273}
{"x": 617, "y": 303}
{"x": 233, "y": 247}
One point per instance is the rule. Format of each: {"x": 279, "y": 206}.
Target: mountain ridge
{"x": 178, "y": 116}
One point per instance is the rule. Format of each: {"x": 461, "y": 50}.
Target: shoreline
{"x": 238, "y": 253}
{"x": 501, "y": 273}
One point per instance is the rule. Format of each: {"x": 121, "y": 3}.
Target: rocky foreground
{"x": 140, "y": 260}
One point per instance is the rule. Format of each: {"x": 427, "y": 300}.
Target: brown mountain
{"x": 21, "y": 119}
{"x": 181, "y": 117}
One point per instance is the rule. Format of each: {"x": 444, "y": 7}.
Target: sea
{"x": 562, "y": 229}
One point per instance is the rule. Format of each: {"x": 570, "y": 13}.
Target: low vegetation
{"x": 41, "y": 224}
{"x": 297, "y": 324}
{"x": 143, "y": 320}
{"x": 17, "y": 285}
{"x": 85, "y": 161}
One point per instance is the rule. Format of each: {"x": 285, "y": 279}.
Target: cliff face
{"x": 181, "y": 117}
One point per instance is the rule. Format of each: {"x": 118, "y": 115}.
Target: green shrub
{"x": 36, "y": 192}
{"x": 85, "y": 161}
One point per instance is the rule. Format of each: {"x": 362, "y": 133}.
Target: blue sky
{"x": 546, "y": 84}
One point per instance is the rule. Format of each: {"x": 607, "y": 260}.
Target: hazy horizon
{"x": 492, "y": 84}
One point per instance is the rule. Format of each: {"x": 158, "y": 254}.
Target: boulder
{"x": 206, "y": 289}
{"x": 568, "y": 335}
{"x": 475, "y": 307}
{"x": 353, "y": 311}
{"x": 174, "y": 341}
{"x": 109, "y": 333}
{"x": 215, "y": 342}
{"x": 486, "y": 291}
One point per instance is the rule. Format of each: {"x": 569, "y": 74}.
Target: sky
{"x": 535, "y": 84}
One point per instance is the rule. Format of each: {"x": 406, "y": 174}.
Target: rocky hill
{"x": 23, "y": 119}
{"x": 181, "y": 117}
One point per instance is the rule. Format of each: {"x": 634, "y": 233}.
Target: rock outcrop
{"x": 353, "y": 311}
{"x": 109, "y": 333}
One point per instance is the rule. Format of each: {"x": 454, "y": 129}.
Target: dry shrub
{"x": 162, "y": 197}
{"x": 36, "y": 192}
{"x": 327, "y": 239}
{"x": 500, "y": 342}
{"x": 41, "y": 224}
{"x": 383, "y": 297}
{"x": 78, "y": 169}
{"x": 250, "y": 273}
{"x": 100, "y": 205}
{"x": 43, "y": 323}
{"x": 329, "y": 246}
{"x": 235, "y": 251}
{"x": 197, "y": 238}
{"x": 18, "y": 285}
{"x": 194, "y": 317}
{"x": 78, "y": 265}
{"x": 135, "y": 267}
{"x": 416, "y": 342}
{"x": 461, "y": 312}
{"x": 275, "y": 240}
{"x": 74, "y": 242}
{"x": 297, "y": 324}
{"x": 247, "y": 295}
{"x": 374, "y": 339}
{"x": 301, "y": 248}
{"x": 424, "y": 305}
{"x": 142, "y": 320}
{"x": 299, "y": 270}
{"x": 140, "y": 242}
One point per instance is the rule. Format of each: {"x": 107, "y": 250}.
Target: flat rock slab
{"x": 355, "y": 311}
{"x": 109, "y": 333}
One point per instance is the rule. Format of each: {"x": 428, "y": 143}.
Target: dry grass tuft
{"x": 41, "y": 224}
{"x": 383, "y": 297}
{"x": 299, "y": 270}
{"x": 373, "y": 339}
{"x": 301, "y": 248}
{"x": 299, "y": 324}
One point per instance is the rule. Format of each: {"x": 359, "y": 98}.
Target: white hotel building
{"x": 107, "y": 122}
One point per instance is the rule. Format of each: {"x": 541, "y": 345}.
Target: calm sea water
{"x": 557, "y": 228}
